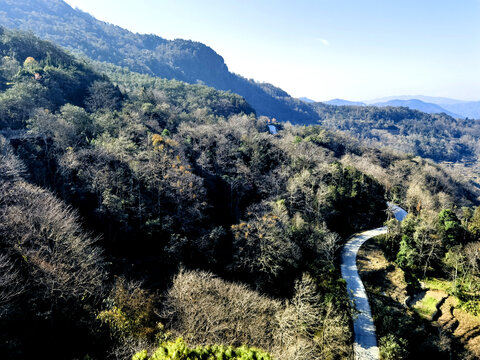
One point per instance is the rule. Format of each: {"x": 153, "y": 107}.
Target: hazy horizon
{"x": 322, "y": 50}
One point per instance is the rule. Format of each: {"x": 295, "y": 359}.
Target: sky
{"x": 324, "y": 49}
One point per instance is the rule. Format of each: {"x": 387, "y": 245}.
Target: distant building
{"x": 272, "y": 129}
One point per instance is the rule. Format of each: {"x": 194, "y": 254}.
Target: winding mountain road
{"x": 365, "y": 342}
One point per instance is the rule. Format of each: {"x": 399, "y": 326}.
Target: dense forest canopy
{"x": 435, "y": 136}
{"x": 143, "y": 216}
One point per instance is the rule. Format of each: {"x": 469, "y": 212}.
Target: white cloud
{"x": 324, "y": 41}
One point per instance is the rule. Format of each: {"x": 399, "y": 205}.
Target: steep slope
{"x": 163, "y": 174}
{"x": 37, "y": 74}
{"x": 184, "y": 60}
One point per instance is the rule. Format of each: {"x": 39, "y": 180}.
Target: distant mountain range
{"x": 462, "y": 108}
{"x": 307, "y": 100}
{"x": 470, "y": 109}
{"x": 427, "y": 104}
{"x": 418, "y": 105}
{"x": 341, "y": 102}
{"x": 426, "y": 99}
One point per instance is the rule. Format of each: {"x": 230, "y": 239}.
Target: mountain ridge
{"x": 342, "y": 102}
{"x": 418, "y": 105}
{"x": 425, "y": 98}
{"x": 463, "y": 108}
{"x": 436, "y": 105}
{"x": 183, "y": 60}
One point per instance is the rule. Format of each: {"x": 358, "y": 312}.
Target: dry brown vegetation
{"x": 43, "y": 238}
{"x": 39, "y": 232}
{"x": 207, "y": 310}
{"x": 204, "y": 309}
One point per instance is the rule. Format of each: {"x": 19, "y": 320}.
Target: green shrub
{"x": 393, "y": 348}
{"x": 472, "y": 306}
{"x": 142, "y": 355}
{"x": 178, "y": 350}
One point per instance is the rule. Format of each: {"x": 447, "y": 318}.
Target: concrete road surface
{"x": 365, "y": 342}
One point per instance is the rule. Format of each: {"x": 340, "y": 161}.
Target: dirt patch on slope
{"x": 380, "y": 275}
{"x": 468, "y": 330}
{"x": 450, "y": 329}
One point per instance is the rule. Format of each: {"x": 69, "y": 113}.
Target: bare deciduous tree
{"x": 57, "y": 258}
{"x": 310, "y": 328}
{"x": 207, "y": 310}
{"x": 11, "y": 167}
{"x": 204, "y": 309}
{"x": 11, "y": 285}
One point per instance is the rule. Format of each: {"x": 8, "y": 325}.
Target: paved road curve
{"x": 365, "y": 344}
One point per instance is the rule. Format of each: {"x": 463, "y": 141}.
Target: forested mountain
{"x": 438, "y": 137}
{"x": 136, "y": 212}
{"x": 183, "y": 60}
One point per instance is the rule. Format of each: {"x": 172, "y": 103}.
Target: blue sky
{"x": 353, "y": 49}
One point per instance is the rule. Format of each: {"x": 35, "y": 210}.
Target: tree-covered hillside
{"x": 182, "y": 60}
{"x": 435, "y": 136}
{"x": 151, "y": 217}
